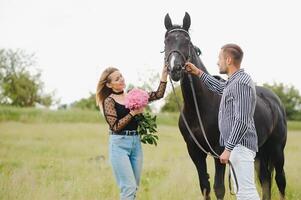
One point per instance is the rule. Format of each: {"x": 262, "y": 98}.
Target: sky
{"x": 75, "y": 40}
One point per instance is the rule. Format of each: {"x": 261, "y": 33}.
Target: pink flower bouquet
{"x": 147, "y": 126}
{"x": 136, "y": 99}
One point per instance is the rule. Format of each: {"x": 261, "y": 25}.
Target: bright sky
{"x": 74, "y": 40}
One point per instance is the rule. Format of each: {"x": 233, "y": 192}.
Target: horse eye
{"x": 184, "y": 37}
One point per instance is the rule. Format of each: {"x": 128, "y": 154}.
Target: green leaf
{"x": 146, "y": 128}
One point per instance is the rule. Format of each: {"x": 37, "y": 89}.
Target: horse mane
{"x": 195, "y": 57}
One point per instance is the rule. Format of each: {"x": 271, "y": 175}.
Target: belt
{"x": 125, "y": 132}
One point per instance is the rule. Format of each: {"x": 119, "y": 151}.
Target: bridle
{"x": 212, "y": 153}
{"x": 215, "y": 155}
{"x": 177, "y": 51}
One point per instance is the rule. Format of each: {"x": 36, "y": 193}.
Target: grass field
{"x": 46, "y": 160}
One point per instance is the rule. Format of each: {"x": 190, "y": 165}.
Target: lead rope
{"x": 203, "y": 131}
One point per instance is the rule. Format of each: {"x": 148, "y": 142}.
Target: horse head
{"x": 177, "y": 46}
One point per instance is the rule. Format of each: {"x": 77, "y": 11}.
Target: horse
{"x": 269, "y": 117}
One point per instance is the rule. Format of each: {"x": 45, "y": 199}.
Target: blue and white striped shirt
{"x": 236, "y": 111}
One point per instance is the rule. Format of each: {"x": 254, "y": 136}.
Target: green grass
{"x": 32, "y": 115}
{"x": 70, "y": 161}
{"x": 294, "y": 125}
{"x": 9, "y": 113}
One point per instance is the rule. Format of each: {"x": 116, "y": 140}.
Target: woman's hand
{"x": 137, "y": 111}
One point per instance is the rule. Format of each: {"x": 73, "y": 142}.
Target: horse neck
{"x": 202, "y": 93}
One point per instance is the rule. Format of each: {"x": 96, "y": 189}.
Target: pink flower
{"x": 136, "y": 99}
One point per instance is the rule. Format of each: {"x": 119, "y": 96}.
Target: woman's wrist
{"x": 132, "y": 113}
{"x": 164, "y": 74}
{"x": 164, "y": 78}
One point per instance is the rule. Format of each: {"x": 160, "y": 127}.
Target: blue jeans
{"x": 126, "y": 158}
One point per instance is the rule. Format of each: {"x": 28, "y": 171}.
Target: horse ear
{"x": 186, "y": 21}
{"x": 167, "y": 22}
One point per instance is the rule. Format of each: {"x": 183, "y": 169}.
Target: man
{"x": 235, "y": 118}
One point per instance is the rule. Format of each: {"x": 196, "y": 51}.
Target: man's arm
{"x": 212, "y": 83}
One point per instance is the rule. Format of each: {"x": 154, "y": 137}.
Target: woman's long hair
{"x": 103, "y": 91}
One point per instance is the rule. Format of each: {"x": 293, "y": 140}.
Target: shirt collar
{"x": 235, "y": 74}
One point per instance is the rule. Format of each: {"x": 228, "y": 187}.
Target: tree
{"x": 171, "y": 101}
{"x": 86, "y": 103}
{"x": 148, "y": 81}
{"x": 90, "y": 104}
{"x": 290, "y": 98}
{"x": 19, "y": 84}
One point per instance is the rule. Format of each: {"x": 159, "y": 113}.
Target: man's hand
{"x": 224, "y": 157}
{"x": 192, "y": 69}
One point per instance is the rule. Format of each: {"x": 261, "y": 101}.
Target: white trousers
{"x": 242, "y": 160}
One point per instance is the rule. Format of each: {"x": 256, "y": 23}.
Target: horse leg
{"x": 278, "y": 161}
{"x": 199, "y": 160}
{"x": 265, "y": 174}
{"x": 219, "y": 185}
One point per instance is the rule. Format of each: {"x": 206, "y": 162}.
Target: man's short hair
{"x": 234, "y": 51}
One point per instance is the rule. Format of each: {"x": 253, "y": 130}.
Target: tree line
{"x": 21, "y": 85}
{"x": 20, "y": 81}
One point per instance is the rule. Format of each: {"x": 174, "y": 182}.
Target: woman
{"x": 125, "y": 149}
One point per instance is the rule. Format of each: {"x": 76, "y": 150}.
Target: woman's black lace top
{"x": 119, "y": 117}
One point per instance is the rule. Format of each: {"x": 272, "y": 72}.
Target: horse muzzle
{"x": 175, "y": 65}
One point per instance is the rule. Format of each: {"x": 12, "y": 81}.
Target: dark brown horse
{"x": 270, "y": 118}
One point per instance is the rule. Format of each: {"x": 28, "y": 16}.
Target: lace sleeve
{"x": 159, "y": 93}
{"x": 110, "y": 114}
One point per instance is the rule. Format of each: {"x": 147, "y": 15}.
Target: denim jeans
{"x": 126, "y": 158}
{"x": 242, "y": 159}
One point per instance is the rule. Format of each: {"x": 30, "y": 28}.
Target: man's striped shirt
{"x": 236, "y": 111}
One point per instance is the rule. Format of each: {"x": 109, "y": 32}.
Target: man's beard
{"x": 222, "y": 71}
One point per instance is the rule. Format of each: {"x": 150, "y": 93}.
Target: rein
{"x": 214, "y": 155}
